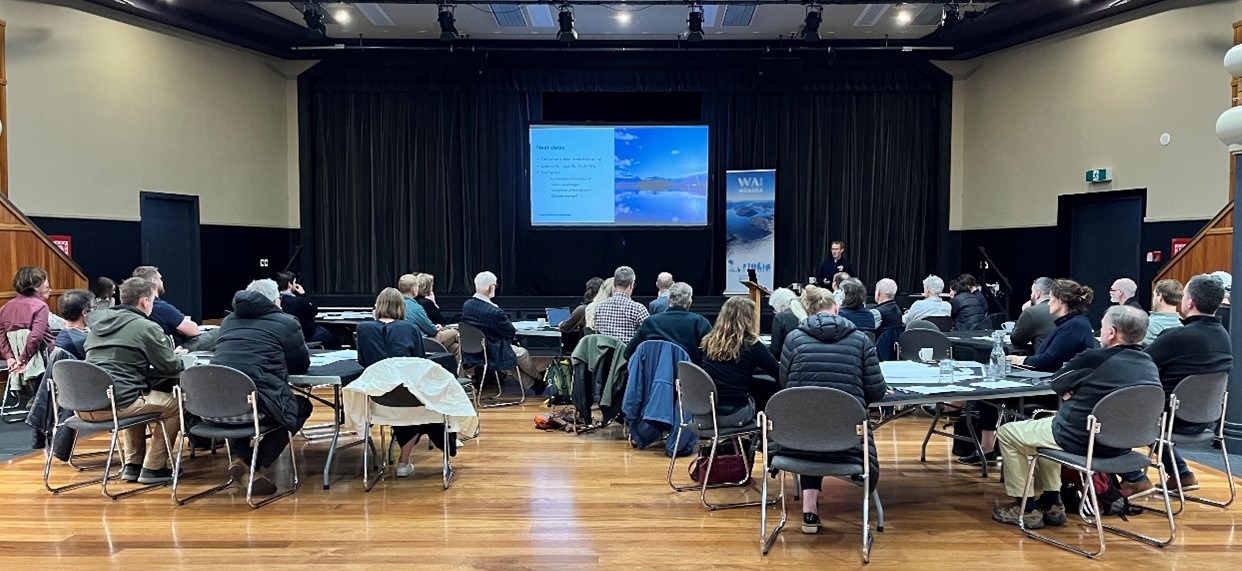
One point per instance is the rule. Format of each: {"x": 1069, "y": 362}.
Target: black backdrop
{"x": 421, "y": 165}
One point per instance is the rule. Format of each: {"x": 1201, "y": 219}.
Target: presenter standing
{"x": 837, "y": 263}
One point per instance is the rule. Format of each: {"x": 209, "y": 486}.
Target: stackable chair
{"x": 473, "y": 340}
{"x": 1125, "y": 419}
{"x": 399, "y": 397}
{"x": 824, "y": 420}
{"x": 1200, "y": 399}
{"x": 82, "y": 386}
{"x": 228, "y": 402}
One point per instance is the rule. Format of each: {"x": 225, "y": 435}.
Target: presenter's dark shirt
{"x": 830, "y": 268}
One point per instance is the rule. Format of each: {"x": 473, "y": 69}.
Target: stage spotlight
{"x": 810, "y": 27}
{"x": 694, "y": 31}
{"x": 567, "y": 33}
{"x": 314, "y": 20}
{"x": 448, "y": 27}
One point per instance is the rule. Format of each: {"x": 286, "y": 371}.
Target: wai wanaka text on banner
{"x": 750, "y": 227}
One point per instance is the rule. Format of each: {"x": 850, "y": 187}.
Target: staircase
{"x": 23, "y": 244}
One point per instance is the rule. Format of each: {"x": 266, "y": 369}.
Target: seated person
{"x": 104, "y": 290}
{"x": 732, "y": 354}
{"x": 837, "y": 294}
{"x": 293, "y": 301}
{"x": 605, "y": 292}
{"x": 74, "y": 305}
{"x": 1036, "y": 322}
{"x": 1124, "y": 292}
{"x": 784, "y": 319}
{"x": 1165, "y": 300}
{"x": 184, "y": 331}
{"x": 26, "y": 312}
{"x": 1226, "y": 279}
{"x": 931, "y": 305}
{"x": 619, "y": 315}
{"x": 1068, "y": 304}
{"x": 676, "y": 324}
{"x": 1117, "y": 365}
{"x": 887, "y": 315}
{"x": 967, "y": 308}
{"x": 854, "y": 304}
{"x": 262, "y": 341}
{"x": 427, "y": 298}
{"x": 828, "y": 351}
{"x": 137, "y": 355}
{"x": 577, "y": 317}
{"x": 663, "y": 281}
{"x": 481, "y": 312}
{"x": 415, "y": 313}
{"x": 390, "y": 335}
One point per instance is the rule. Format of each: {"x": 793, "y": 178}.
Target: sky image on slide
{"x": 661, "y": 175}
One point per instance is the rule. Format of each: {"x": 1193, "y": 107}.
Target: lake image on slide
{"x": 661, "y": 175}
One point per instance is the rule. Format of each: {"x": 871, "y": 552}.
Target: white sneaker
{"x": 404, "y": 470}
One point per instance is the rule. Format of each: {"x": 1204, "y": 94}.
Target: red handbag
{"x": 728, "y": 468}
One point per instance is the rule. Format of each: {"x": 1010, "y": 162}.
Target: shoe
{"x": 973, "y": 460}
{"x": 1011, "y": 513}
{"x": 1189, "y": 482}
{"x": 405, "y": 469}
{"x": 810, "y": 523}
{"x": 1055, "y": 515}
{"x": 130, "y": 472}
{"x": 1138, "y": 487}
{"x": 262, "y": 486}
{"x": 159, "y": 476}
{"x": 238, "y": 471}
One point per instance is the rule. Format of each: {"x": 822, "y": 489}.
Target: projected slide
{"x": 618, "y": 175}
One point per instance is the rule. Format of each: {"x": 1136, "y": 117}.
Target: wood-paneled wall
{"x": 23, "y": 244}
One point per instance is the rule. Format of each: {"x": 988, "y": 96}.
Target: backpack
{"x": 559, "y": 379}
{"x": 1107, "y": 491}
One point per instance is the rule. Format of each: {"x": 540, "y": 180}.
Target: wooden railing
{"x": 1210, "y": 250}
{"x": 23, "y": 244}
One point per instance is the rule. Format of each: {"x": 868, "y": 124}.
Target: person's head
{"x": 426, "y": 282}
{"x": 1123, "y": 325}
{"x": 75, "y": 304}
{"x": 1041, "y": 288}
{"x": 1203, "y": 295}
{"x": 1225, "y": 280}
{"x": 390, "y": 305}
{"x": 818, "y": 300}
{"x": 780, "y": 298}
{"x": 623, "y": 279}
{"x": 285, "y": 281}
{"x": 31, "y": 281}
{"x": 734, "y": 328}
{"x": 266, "y": 288}
{"x": 681, "y": 295}
{"x": 139, "y": 293}
{"x": 968, "y": 281}
{"x": 605, "y": 290}
{"x": 592, "y": 289}
{"x": 958, "y": 287}
{"x": 1069, "y": 296}
{"x": 103, "y": 287}
{"x": 838, "y": 249}
{"x": 1167, "y": 296}
{"x": 837, "y": 278}
{"x": 854, "y": 294}
{"x": 1123, "y": 289}
{"x": 485, "y": 284}
{"x": 885, "y": 290}
{"x": 151, "y": 274}
{"x": 408, "y": 285}
{"x": 932, "y": 286}
{"x": 664, "y": 281}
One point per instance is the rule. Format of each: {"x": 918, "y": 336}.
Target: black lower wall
{"x": 230, "y": 254}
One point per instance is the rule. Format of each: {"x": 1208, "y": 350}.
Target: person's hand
{"x": 11, "y": 363}
{"x": 1016, "y": 360}
{"x": 17, "y": 368}
{"x": 1026, "y": 306}
{"x": 181, "y": 351}
{"x": 1067, "y": 396}
{"x": 297, "y": 288}
{"x": 439, "y": 327}
{"x": 432, "y": 296}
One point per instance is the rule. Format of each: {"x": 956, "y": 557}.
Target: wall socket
{"x": 262, "y": 262}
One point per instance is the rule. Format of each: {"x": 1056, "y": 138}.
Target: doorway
{"x": 170, "y": 241}
{"x": 1102, "y": 235}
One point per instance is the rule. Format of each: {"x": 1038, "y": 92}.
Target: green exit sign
{"x": 1099, "y": 175}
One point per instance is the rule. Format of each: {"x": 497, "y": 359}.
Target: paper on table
{"x": 1001, "y": 384}
{"x": 907, "y": 370}
{"x": 924, "y": 390}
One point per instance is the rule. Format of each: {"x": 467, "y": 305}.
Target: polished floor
{"x": 526, "y": 499}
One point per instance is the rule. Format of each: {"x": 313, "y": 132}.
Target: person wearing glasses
{"x": 74, "y": 306}
{"x": 26, "y": 312}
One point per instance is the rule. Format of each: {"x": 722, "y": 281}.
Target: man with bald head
{"x": 1123, "y": 293}
{"x": 664, "y": 281}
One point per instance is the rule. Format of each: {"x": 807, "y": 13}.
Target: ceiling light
{"x": 810, "y": 27}
{"x": 341, "y": 16}
{"x": 448, "y": 27}
{"x": 694, "y": 30}
{"x": 903, "y": 18}
{"x": 567, "y": 33}
{"x": 313, "y": 19}
{"x": 623, "y": 18}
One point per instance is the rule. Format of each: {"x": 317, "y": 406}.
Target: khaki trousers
{"x": 134, "y": 447}
{"x": 1018, "y": 441}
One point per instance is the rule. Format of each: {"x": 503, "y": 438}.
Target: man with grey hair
{"x": 1036, "y": 322}
{"x": 931, "y": 305}
{"x": 1123, "y": 292}
{"x": 262, "y": 341}
{"x": 619, "y": 315}
{"x": 1225, "y": 307}
{"x": 1083, "y": 381}
{"x": 676, "y": 324}
{"x": 888, "y": 324}
{"x": 664, "y": 281}
{"x": 503, "y": 353}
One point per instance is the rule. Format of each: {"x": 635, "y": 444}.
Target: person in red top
{"x": 26, "y": 311}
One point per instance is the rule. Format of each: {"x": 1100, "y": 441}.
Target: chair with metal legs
{"x": 228, "y": 401}
{"x": 1200, "y": 399}
{"x": 817, "y": 420}
{"x": 447, "y": 360}
{"x": 1125, "y": 419}
{"x": 82, "y": 386}
{"x": 399, "y": 397}
{"x": 472, "y": 340}
{"x": 696, "y": 397}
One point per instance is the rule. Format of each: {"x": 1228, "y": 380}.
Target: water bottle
{"x": 998, "y": 365}
{"x": 946, "y": 371}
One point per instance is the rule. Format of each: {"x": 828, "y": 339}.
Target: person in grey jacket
{"x": 1036, "y": 322}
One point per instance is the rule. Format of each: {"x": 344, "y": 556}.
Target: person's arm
{"x": 874, "y": 386}
{"x": 411, "y": 342}
{"x": 164, "y": 362}
{"x": 639, "y": 336}
{"x": 1068, "y": 378}
{"x": 575, "y": 321}
{"x": 1163, "y": 349}
{"x": 297, "y": 356}
{"x": 787, "y": 357}
{"x": 188, "y": 328}
{"x": 418, "y": 317}
{"x": 432, "y": 310}
{"x": 39, "y": 333}
{"x": 1024, "y": 330}
{"x": 503, "y": 326}
{"x": 764, "y": 361}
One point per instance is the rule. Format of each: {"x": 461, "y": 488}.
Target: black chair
{"x": 399, "y": 397}
{"x": 82, "y": 386}
{"x": 996, "y": 321}
{"x": 912, "y": 340}
{"x": 228, "y": 402}
{"x": 1124, "y": 420}
{"x": 1201, "y": 399}
{"x": 945, "y": 323}
{"x": 473, "y": 340}
{"x": 817, "y": 419}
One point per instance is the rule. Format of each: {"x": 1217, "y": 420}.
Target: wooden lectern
{"x": 756, "y": 293}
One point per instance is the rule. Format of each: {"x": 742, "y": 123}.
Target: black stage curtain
{"x": 423, "y": 169}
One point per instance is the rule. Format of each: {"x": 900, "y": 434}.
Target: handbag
{"x": 729, "y": 467}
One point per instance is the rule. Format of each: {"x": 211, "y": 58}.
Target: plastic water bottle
{"x": 998, "y": 365}
{"x": 946, "y": 371}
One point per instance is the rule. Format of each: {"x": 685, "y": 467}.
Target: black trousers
{"x": 434, "y": 432}
{"x": 275, "y": 442}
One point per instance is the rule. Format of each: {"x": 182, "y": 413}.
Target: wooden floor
{"x": 526, "y": 499}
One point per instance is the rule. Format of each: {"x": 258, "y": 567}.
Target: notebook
{"x": 556, "y": 315}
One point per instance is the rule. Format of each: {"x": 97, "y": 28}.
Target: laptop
{"x": 556, "y": 315}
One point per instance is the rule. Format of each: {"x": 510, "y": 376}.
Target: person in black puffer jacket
{"x": 828, "y": 351}
{"x": 969, "y": 310}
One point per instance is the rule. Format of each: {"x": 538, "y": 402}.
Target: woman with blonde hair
{"x": 731, "y": 355}
{"x": 605, "y": 292}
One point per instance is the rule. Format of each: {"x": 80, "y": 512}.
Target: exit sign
{"x": 1099, "y": 175}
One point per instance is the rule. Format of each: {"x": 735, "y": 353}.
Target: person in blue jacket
{"x": 1069, "y": 304}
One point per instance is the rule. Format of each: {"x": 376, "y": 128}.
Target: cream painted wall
{"x": 100, "y": 110}
{"x": 1029, "y": 121}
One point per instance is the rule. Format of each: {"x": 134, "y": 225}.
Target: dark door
{"x": 1105, "y": 233}
{"x": 170, "y": 242}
